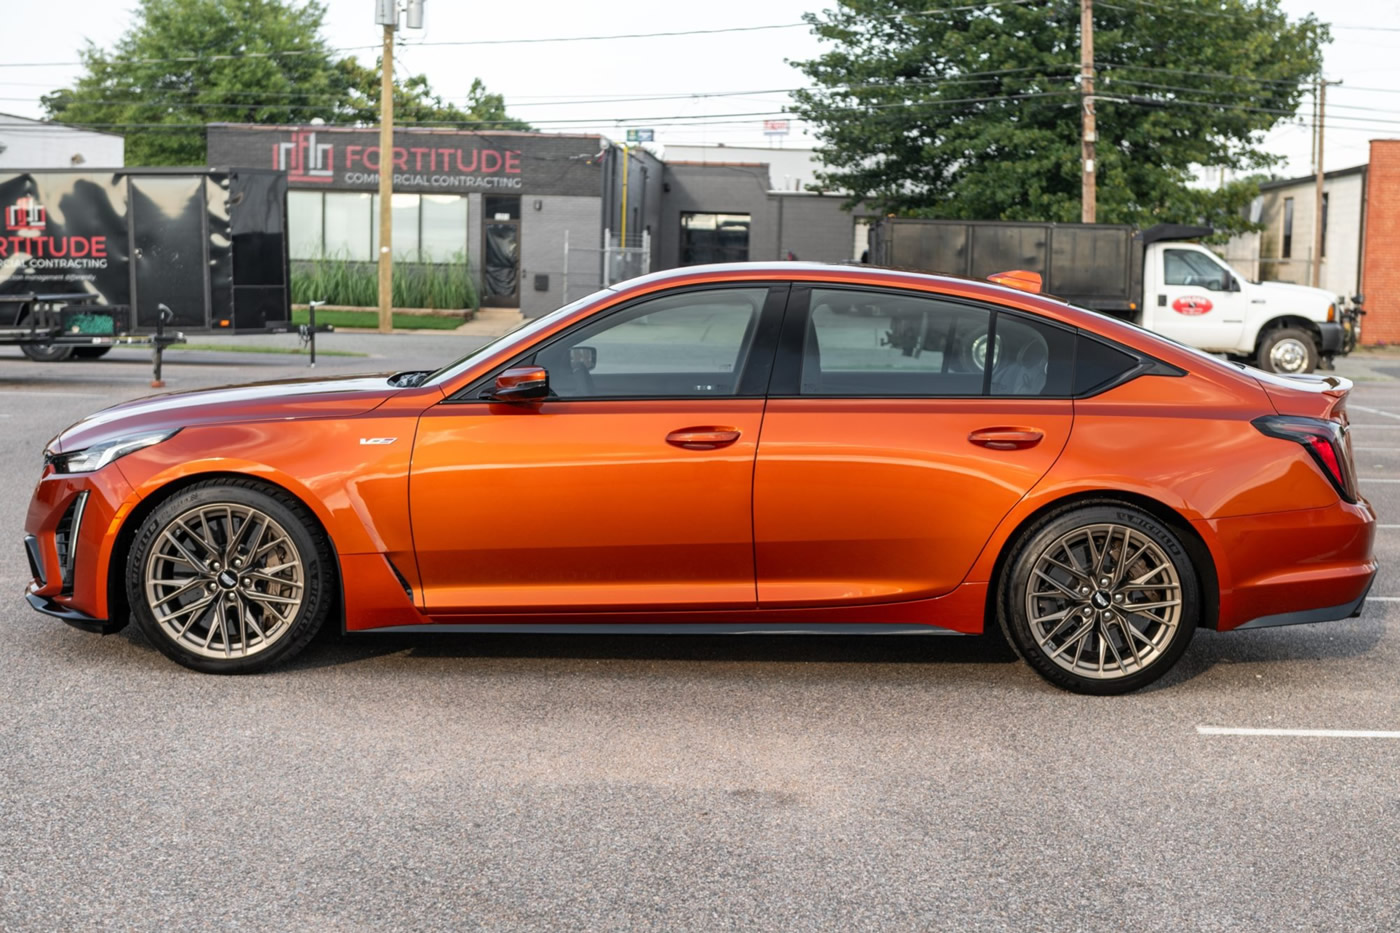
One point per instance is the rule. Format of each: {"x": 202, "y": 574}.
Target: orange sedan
{"x": 742, "y": 448}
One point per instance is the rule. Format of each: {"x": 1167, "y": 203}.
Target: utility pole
{"x": 386, "y": 14}
{"x": 1317, "y": 204}
{"x": 1088, "y": 196}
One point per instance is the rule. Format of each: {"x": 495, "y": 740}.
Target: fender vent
{"x": 65, "y": 539}
{"x": 408, "y": 590}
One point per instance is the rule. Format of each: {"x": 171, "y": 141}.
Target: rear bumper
{"x": 1286, "y": 568}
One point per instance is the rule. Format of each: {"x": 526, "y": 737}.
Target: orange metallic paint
{"x": 886, "y": 499}
{"x": 822, "y": 510}
{"x": 572, "y": 505}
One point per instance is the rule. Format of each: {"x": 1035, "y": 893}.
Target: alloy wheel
{"x": 224, "y": 580}
{"x": 1103, "y": 601}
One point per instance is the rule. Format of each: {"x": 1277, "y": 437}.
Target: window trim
{"x": 787, "y": 368}
{"x": 753, "y": 380}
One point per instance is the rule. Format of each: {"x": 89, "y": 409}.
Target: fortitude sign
{"x": 422, "y": 161}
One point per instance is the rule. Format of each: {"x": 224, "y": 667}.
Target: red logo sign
{"x": 27, "y": 216}
{"x": 1192, "y": 305}
{"x": 304, "y": 159}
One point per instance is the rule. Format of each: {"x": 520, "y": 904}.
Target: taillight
{"x": 1324, "y": 440}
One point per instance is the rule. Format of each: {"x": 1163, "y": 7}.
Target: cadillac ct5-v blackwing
{"x": 742, "y": 448}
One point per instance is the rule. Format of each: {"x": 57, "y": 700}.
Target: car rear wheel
{"x": 230, "y": 577}
{"x": 1100, "y": 598}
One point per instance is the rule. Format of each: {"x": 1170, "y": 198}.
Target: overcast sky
{"x": 552, "y": 84}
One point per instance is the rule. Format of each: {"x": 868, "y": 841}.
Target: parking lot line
{"x": 1374, "y": 411}
{"x": 1375, "y": 448}
{"x": 47, "y": 394}
{"x": 1377, "y": 479}
{"x": 1301, "y": 733}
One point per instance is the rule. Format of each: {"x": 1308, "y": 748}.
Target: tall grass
{"x": 339, "y": 280}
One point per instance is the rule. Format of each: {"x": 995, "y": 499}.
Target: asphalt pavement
{"x": 685, "y": 783}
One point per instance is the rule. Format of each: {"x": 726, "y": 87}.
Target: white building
{"x": 788, "y": 169}
{"x": 27, "y": 143}
{"x": 1283, "y": 250}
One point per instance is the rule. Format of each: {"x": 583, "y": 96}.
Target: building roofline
{"x": 76, "y": 127}
{"x": 1310, "y": 179}
{"x": 399, "y": 127}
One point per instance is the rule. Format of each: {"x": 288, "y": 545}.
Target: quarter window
{"x": 675, "y": 346}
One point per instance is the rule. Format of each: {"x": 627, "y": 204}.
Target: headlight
{"x": 99, "y": 455}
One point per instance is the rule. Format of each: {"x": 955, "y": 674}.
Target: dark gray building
{"x": 527, "y": 210}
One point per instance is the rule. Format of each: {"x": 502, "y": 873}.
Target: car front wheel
{"x": 230, "y": 577}
{"x": 1100, "y": 598}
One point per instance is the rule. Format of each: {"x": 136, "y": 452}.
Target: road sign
{"x": 641, "y": 136}
{"x": 776, "y": 127}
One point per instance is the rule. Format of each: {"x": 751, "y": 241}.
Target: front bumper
{"x": 72, "y": 616}
{"x": 70, "y": 531}
{"x": 1332, "y": 335}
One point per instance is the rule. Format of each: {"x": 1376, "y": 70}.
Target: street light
{"x": 386, "y": 14}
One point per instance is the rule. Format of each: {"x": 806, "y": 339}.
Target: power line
{"x": 530, "y": 40}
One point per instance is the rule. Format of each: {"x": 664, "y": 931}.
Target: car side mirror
{"x": 1234, "y": 284}
{"x": 583, "y": 359}
{"x": 521, "y": 384}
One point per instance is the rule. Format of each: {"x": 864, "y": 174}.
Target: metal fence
{"x": 589, "y": 268}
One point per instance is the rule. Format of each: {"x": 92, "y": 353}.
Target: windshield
{"x": 518, "y": 333}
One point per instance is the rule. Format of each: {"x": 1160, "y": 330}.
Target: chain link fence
{"x": 589, "y": 268}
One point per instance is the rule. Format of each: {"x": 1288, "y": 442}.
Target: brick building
{"x": 1380, "y": 264}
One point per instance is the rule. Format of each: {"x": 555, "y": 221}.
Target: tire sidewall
{"x": 315, "y": 555}
{"x": 1014, "y": 581}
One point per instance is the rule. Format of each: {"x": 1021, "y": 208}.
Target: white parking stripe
{"x": 1301, "y": 733}
{"x": 1375, "y": 411}
{"x": 1377, "y": 479}
{"x": 1388, "y": 526}
{"x": 1383, "y": 599}
{"x": 47, "y": 394}
{"x": 1375, "y": 448}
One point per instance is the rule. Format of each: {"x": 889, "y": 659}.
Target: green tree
{"x": 186, "y": 63}
{"x": 973, "y": 111}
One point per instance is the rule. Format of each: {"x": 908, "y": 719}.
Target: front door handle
{"x": 1006, "y": 438}
{"x": 703, "y": 438}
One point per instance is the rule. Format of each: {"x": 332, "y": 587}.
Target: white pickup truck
{"x": 1157, "y": 278}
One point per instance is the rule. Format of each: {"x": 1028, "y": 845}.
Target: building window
{"x": 1323, "y": 255}
{"x": 714, "y": 238}
{"x": 345, "y": 225}
{"x": 1287, "y": 228}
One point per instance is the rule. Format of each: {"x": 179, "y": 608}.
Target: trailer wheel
{"x": 45, "y": 352}
{"x": 90, "y": 353}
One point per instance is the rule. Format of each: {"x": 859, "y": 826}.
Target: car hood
{"x": 341, "y": 397}
{"x": 1321, "y": 295}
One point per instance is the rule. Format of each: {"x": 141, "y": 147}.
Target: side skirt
{"x": 654, "y": 628}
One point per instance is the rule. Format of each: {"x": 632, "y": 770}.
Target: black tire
{"x": 1163, "y": 631}
{"x": 1301, "y": 344}
{"x": 46, "y": 352}
{"x": 301, "y": 539}
{"x": 90, "y": 353}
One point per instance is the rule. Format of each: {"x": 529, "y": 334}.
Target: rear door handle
{"x": 702, "y": 438}
{"x": 1006, "y": 438}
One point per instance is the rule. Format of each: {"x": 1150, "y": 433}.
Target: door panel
{"x": 585, "y": 505}
{"x": 890, "y": 499}
{"x": 1194, "y": 303}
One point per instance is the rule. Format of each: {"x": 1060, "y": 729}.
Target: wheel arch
{"x": 117, "y": 605}
{"x": 1288, "y": 320}
{"x": 1196, "y": 548}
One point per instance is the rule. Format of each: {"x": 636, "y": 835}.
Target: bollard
{"x": 164, "y": 316}
{"x": 312, "y": 306}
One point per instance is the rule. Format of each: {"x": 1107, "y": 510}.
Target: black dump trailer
{"x": 1096, "y": 266}
{"x": 89, "y": 259}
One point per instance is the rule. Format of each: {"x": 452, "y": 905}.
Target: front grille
{"x": 65, "y": 540}
{"x": 36, "y": 563}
